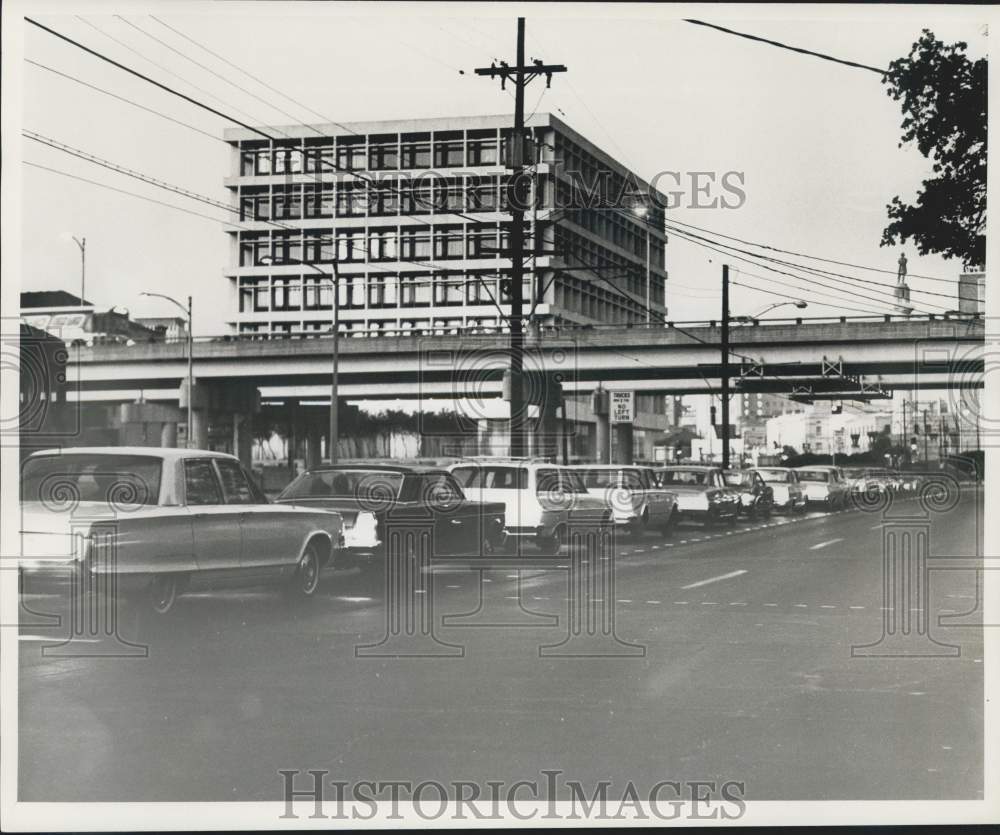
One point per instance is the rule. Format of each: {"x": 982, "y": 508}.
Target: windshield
{"x": 367, "y": 485}
{"x": 737, "y": 479}
{"x": 684, "y": 477}
{"x": 563, "y": 481}
{"x": 814, "y": 475}
{"x": 61, "y": 480}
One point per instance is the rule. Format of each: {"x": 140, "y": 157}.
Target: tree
{"x": 943, "y": 97}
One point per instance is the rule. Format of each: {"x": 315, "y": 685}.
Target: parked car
{"x": 788, "y": 494}
{"x": 633, "y": 494}
{"x": 163, "y": 520}
{"x": 756, "y": 496}
{"x": 824, "y": 486}
{"x": 702, "y": 493}
{"x": 376, "y": 499}
{"x": 542, "y": 501}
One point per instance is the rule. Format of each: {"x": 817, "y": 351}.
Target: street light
{"x": 334, "y": 439}
{"x": 82, "y": 243}
{"x": 801, "y": 305}
{"x": 190, "y": 375}
{"x": 640, "y": 209}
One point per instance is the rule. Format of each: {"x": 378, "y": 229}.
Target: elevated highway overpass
{"x": 682, "y": 358}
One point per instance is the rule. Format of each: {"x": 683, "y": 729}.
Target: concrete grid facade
{"x": 422, "y": 252}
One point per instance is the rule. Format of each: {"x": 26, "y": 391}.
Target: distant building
{"x": 172, "y": 328}
{"x": 76, "y": 321}
{"x": 972, "y": 290}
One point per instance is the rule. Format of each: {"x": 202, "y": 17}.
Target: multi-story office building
{"x": 413, "y": 215}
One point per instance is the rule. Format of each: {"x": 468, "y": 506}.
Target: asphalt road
{"x": 731, "y": 659}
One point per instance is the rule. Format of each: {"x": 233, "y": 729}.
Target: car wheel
{"x": 668, "y": 528}
{"x": 305, "y": 579}
{"x": 551, "y": 545}
{"x": 162, "y": 593}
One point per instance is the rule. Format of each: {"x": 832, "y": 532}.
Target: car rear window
{"x": 813, "y": 475}
{"x": 684, "y": 477}
{"x": 492, "y": 477}
{"x": 377, "y": 485}
{"x": 58, "y": 480}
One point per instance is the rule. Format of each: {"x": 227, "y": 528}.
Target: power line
{"x": 807, "y": 255}
{"x": 127, "y": 101}
{"x": 253, "y": 77}
{"x": 124, "y": 191}
{"x": 798, "y": 49}
{"x": 839, "y": 305}
{"x": 206, "y": 68}
{"x": 146, "y": 78}
{"x": 695, "y": 239}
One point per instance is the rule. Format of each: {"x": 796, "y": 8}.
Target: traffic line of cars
{"x": 158, "y": 522}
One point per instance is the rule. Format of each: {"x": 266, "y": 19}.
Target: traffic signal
{"x": 711, "y": 414}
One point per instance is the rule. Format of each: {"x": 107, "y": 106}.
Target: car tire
{"x": 668, "y": 528}
{"x": 551, "y": 545}
{"x": 304, "y": 581}
{"x": 162, "y": 593}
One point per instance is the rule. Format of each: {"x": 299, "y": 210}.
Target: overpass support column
{"x": 624, "y": 439}
{"x": 314, "y": 450}
{"x": 243, "y": 439}
{"x": 168, "y": 433}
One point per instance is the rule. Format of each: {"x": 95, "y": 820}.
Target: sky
{"x": 816, "y": 142}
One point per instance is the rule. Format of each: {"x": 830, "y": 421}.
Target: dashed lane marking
{"x": 654, "y": 602}
{"x": 709, "y": 603}
{"x": 715, "y": 579}
{"x": 819, "y": 545}
{"x": 680, "y": 603}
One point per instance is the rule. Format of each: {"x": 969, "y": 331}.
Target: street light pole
{"x": 82, "y": 243}
{"x": 190, "y": 358}
{"x": 724, "y": 393}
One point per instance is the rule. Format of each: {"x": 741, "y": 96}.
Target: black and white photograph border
{"x": 424, "y": 414}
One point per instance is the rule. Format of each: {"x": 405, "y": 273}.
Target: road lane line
{"x": 654, "y": 602}
{"x": 819, "y": 545}
{"x": 770, "y": 604}
{"x": 680, "y": 603}
{"x": 801, "y": 605}
{"x": 826, "y": 606}
{"x": 709, "y": 603}
{"x": 857, "y": 607}
{"x": 714, "y": 579}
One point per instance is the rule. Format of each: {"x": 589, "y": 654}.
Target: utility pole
{"x": 724, "y": 394}
{"x": 521, "y": 75}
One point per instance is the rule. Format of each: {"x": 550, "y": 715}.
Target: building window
{"x": 254, "y": 295}
{"x": 478, "y": 288}
{"x": 287, "y": 247}
{"x": 449, "y": 242}
{"x": 383, "y": 199}
{"x": 382, "y": 245}
{"x": 382, "y": 290}
{"x": 416, "y": 150}
{"x": 449, "y": 289}
{"x": 351, "y": 245}
{"x": 287, "y": 159}
{"x": 286, "y": 293}
{"x": 449, "y": 195}
{"x": 483, "y": 149}
{"x": 351, "y": 153}
{"x": 319, "y": 156}
{"x": 383, "y": 153}
{"x": 482, "y": 194}
{"x": 482, "y": 242}
{"x": 351, "y": 200}
{"x": 282, "y": 330}
{"x": 255, "y": 159}
{"x": 287, "y": 202}
{"x": 253, "y": 247}
{"x": 415, "y": 243}
{"x": 449, "y": 150}
{"x": 351, "y": 291}
{"x": 255, "y": 203}
{"x": 316, "y": 293}
{"x": 415, "y": 290}
{"x": 317, "y": 200}
{"x": 318, "y": 246}
{"x": 416, "y": 198}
